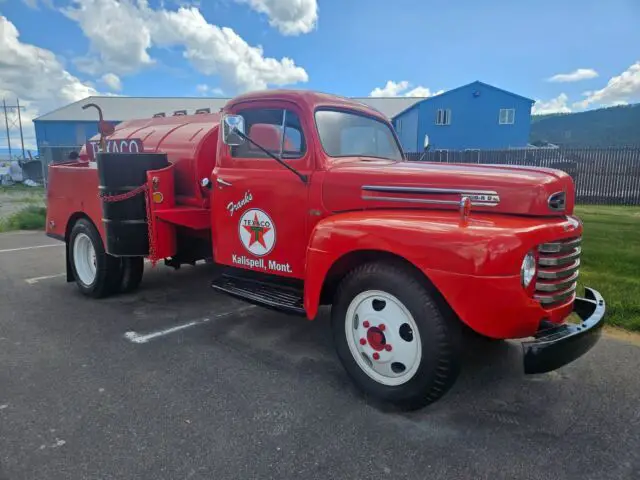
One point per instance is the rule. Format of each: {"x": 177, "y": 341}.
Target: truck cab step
{"x": 266, "y": 294}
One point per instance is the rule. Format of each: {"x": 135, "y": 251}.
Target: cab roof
{"x": 308, "y": 99}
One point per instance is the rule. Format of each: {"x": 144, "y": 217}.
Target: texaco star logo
{"x": 257, "y": 232}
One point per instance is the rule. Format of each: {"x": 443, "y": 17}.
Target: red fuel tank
{"x": 189, "y": 141}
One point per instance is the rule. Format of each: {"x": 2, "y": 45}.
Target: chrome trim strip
{"x": 561, "y": 260}
{"x": 559, "y": 247}
{"x": 412, "y": 200}
{"x": 557, "y": 274}
{"x": 425, "y": 190}
{"x": 554, "y": 287}
{"x": 558, "y": 297}
{"x": 483, "y": 198}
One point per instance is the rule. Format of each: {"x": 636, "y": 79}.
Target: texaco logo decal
{"x": 257, "y": 232}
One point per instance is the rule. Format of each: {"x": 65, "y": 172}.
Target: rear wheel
{"x": 392, "y": 338}
{"x": 96, "y": 273}
{"x": 132, "y": 269}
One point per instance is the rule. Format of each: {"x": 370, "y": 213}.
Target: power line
{"x": 17, "y": 107}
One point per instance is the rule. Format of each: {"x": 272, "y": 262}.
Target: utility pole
{"x": 6, "y": 122}
{"x": 20, "y": 123}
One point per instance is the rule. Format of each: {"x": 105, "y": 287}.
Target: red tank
{"x": 190, "y": 142}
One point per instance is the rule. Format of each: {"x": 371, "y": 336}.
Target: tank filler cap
{"x": 205, "y": 183}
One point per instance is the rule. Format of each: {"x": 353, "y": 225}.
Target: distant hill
{"x": 605, "y": 127}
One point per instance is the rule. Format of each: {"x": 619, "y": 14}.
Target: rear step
{"x": 278, "y": 297}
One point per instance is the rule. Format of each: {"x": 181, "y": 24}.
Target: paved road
{"x": 256, "y": 394}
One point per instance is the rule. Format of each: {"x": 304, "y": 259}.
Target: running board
{"x": 270, "y": 295}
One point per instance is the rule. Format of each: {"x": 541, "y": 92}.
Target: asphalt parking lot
{"x": 178, "y": 382}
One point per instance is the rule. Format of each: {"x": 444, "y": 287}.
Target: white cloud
{"x": 401, "y": 89}
{"x": 221, "y": 51}
{"x": 36, "y": 77}
{"x": 575, "y": 76}
{"x": 121, "y": 33}
{"x": 203, "y": 90}
{"x": 112, "y": 81}
{"x": 290, "y": 17}
{"x": 619, "y": 90}
{"x": 34, "y": 3}
{"x": 118, "y": 33}
{"x": 555, "y": 105}
{"x": 391, "y": 89}
{"x": 421, "y": 92}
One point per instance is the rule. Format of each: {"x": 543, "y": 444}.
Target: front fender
{"x": 484, "y": 246}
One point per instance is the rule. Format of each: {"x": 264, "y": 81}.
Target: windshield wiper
{"x": 301, "y": 176}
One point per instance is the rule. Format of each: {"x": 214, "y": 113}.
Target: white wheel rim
{"x": 383, "y": 337}
{"x": 84, "y": 259}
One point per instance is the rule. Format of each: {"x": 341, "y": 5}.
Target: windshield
{"x": 346, "y": 134}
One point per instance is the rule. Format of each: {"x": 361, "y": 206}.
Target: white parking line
{"x": 7, "y": 250}
{"x": 31, "y": 281}
{"x": 136, "y": 337}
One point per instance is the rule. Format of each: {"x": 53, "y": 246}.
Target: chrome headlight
{"x": 528, "y": 269}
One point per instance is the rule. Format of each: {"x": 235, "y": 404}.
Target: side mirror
{"x": 231, "y": 125}
{"x": 426, "y": 142}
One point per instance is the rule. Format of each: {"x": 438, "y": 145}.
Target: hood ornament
{"x": 465, "y": 208}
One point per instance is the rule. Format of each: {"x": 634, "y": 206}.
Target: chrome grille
{"x": 558, "y": 266}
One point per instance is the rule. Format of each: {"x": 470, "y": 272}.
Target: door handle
{"x": 223, "y": 183}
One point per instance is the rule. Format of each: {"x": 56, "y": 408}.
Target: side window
{"x": 507, "y": 116}
{"x": 276, "y": 130}
{"x": 443, "y": 116}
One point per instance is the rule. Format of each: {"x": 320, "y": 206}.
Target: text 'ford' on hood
{"x": 491, "y": 188}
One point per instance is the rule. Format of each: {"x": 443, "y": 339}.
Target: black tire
{"x": 107, "y": 275}
{"x": 132, "y": 270}
{"x": 439, "y": 335}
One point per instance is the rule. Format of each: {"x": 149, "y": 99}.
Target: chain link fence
{"x": 50, "y": 155}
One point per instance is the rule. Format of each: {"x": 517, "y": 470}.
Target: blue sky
{"x": 348, "y": 47}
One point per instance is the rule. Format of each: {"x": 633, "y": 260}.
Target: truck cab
{"x": 305, "y": 199}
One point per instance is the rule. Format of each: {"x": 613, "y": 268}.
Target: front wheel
{"x": 97, "y": 274}
{"x": 392, "y": 338}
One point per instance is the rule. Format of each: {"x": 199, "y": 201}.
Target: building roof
{"x": 128, "y": 108}
{"x": 478, "y": 83}
{"x": 118, "y": 108}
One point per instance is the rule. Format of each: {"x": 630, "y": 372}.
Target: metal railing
{"x": 603, "y": 176}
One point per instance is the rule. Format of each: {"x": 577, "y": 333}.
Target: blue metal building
{"x": 475, "y": 116}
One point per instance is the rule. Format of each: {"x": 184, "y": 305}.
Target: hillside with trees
{"x": 605, "y": 127}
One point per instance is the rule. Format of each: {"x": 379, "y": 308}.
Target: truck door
{"x": 259, "y": 207}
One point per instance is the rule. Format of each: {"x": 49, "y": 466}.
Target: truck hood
{"x": 368, "y": 184}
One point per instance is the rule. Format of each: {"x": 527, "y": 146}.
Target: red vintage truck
{"x": 305, "y": 199}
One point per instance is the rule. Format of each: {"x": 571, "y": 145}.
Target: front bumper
{"x": 560, "y": 344}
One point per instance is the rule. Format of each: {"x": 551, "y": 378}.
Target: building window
{"x": 507, "y": 116}
{"x": 443, "y": 116}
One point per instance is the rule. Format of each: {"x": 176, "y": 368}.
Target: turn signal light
{"x": 157, "y": 197}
